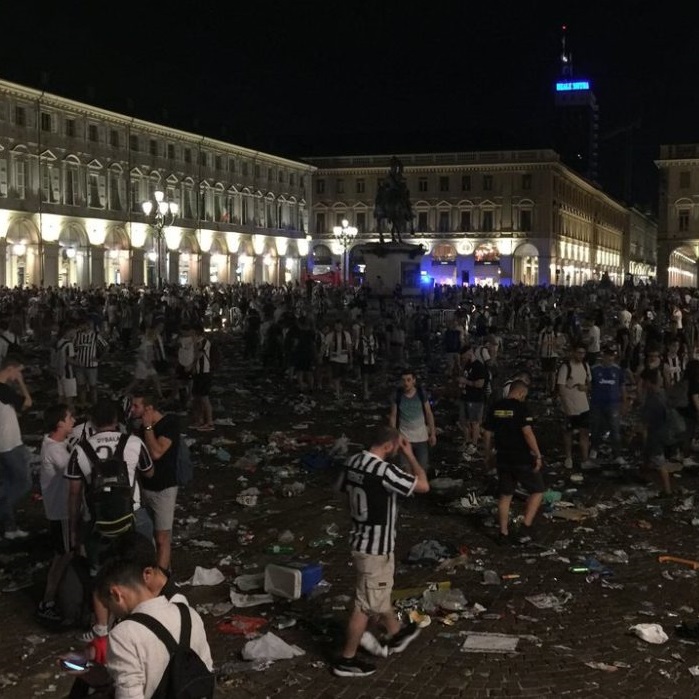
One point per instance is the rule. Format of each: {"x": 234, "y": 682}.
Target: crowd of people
{"x": 619, "y": 364}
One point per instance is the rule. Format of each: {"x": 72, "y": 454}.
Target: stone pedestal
{"x": 388, "y": 264}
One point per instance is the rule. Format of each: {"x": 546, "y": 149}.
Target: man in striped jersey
{"x": 373, "y": 485}
{"x": 65, "y": 373}
{"x": 87, "y": 344}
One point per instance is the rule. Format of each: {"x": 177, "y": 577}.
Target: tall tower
{"x": 576, "y": 117}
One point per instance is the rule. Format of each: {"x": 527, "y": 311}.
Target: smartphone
{"x": 75, "y": 664}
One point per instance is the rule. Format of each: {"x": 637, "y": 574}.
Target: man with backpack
{"x": 159, "y": 648}
{"x": 411, "y": 414}
{"x": 161, "y": 435}
{"x": 573, "y": 381}
{"x": 105, "y": 466}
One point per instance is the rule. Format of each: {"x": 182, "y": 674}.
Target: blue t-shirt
{"x": 607, "y": 385}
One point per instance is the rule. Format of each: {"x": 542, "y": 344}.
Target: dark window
{"x": 487, "y": 221}
{"x": 114, "y": 138}
{"x": 292, "y": 179}
{"x": 245, "y": 169}
{"x": 231, "y": 165}
{"x": 188, "y": 155}
{"x": 685, "y": 179}
{"x": 443, "y": 184}
{"x": 45, "y": 121}
{"x": 361, "y": 186}
{"x": 257, "y": 171}
{"x": 280, "y": 176}
{"x": 465, "y": 183}
{"x": 465, "y": 223}
{"x": 70, "y": 128}
{"x": 203, "y": 158}
{"x": 320, "y": 223}
{"x": 270, "y": 174}
{"x": 443, "y": 221}
{"x": 361, "y": 222}
{"x": 487, "y": 183}
{"x": 133, "y": 142}
{"x": 525, "y": 220}
{"x": 422, "y": 184}
{"x": 153, "y": 147}
{"x": 219, "y": 162}
{"x": 92, "y": 133}
{"x": 20, "y": 116}
{"x": 171, "y": 151}
{"x": 683, "y": 221}
{"x": 340, "y": 184}
{"x": 320, "y": 186}
{"x": 526, "y": 181}
{"x": 422, "y": 221}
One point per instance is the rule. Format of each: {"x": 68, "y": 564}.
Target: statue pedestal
{"x": 388, "y": 264}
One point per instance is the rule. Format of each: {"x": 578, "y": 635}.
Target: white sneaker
{"x": 568, "y": 463}
{"x": 588, "y": 465}
{"x": 372, "y": 645}
{"x": 16, "y": 534}
{"x": 593, "y": 454}
{"x": 689, "y": 461}
{"x": 620, "y": 461}
{"x": 471, "y": 449}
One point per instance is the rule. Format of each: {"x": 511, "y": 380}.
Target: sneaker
{"x": 688, "y": 461}
{"x": 352, "y": 667}
{"x": 568, "y": 463}
{"x": 372, "y": 645}
{"x": 90, "y": 635}
{"x": 48, "y": 612}
{"x": 16, "y": 534}
{"x": 588, "y": 465}
{"x": 470, "y": 449}
{"x": 525, "y": 535}
{"x": 620, "y": 461}
{"x": 403, "y": 638}
{"x": 593, "y": 454}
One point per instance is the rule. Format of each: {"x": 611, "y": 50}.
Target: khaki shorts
{"x": 374, "y": 582}
{"x": 161, "y": 505}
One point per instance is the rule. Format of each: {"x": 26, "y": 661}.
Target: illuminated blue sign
{"x": 577, "y": 85}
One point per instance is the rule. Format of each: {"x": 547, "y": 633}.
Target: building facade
{"x": 509, "y": 217}
{"x": 73, "y": 179}
{"x": 678, "y": 214}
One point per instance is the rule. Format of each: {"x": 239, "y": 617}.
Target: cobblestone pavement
{"x": 560, "y": 651}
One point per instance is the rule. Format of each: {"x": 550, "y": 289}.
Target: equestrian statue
{"x": 392, "y": 204}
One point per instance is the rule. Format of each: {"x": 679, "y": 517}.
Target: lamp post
{"x": 345, "y": 234}
{"x": 161, "y": 216}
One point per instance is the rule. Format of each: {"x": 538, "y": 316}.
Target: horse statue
{"x": 393, "y": 204}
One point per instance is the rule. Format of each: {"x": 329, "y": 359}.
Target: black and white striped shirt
{"x": 65, "y": 351}
{"x": 86, "y": 343}
{"x": 372, "y": 486}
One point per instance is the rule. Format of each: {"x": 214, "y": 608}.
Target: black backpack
{"x": 111, "y": 492}
{"x": 186, "y": 676}
{"x": 13, "y": 348}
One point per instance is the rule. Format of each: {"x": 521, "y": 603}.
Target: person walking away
{"x": 592, "y": 339}
{"x": 655, "y": 419}
{"x": 573, "y": 381}
{"x": 88, "y": 345}
{"x": 202, "y": 410}
{"x": 472, "y": 383}
{"x": 411, "y": 414}
{"x": 15, "y": 477}
{"x": 55, "y": 454}
{"x": 607, "y": 404}
{"x": 548, "y": 346}
{"x": 339, "y": 348}
{"x": 508, "y": 427}
{"x": 452, "y": 343}
{"x": 373, "y": 485}
{"x": 64, "y": 367}
{"x": 366, "y": 350}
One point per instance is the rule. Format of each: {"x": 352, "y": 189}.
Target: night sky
{"x": 312, "y": 78}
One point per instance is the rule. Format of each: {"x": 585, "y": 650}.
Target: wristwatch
{"x": 149, "y": 428}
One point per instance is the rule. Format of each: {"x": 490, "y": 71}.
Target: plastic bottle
{"x": 276, "y": 548}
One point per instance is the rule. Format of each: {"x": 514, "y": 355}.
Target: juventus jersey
{"x": 372, "y": 486}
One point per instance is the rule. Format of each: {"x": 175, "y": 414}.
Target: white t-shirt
{"x": 10, "y": 403}
{"x": 185, "y": 352}
{"x": 625, "y": 318}
{"x": 573, "y": 400}
{"x": 593, "y": 339}
{"x": 136, "y": 457}
{"x": 54, "y": 487}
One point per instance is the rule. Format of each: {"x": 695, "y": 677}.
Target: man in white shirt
{"x": 15, "y": 477}
{"x": 339, "y": 348}
{"x": 137, "y": 659}
{"x": 55, "y": 454}
{"x": 573, "y": 382}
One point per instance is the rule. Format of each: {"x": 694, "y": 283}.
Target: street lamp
{"x": 161, "y": 216}
{"x": 345, "y": 234}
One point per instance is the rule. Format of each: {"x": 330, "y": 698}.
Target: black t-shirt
{"x": 506, "y": 420}
{"x": 165, "y": 468}
{"x": 475, "y": 371}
